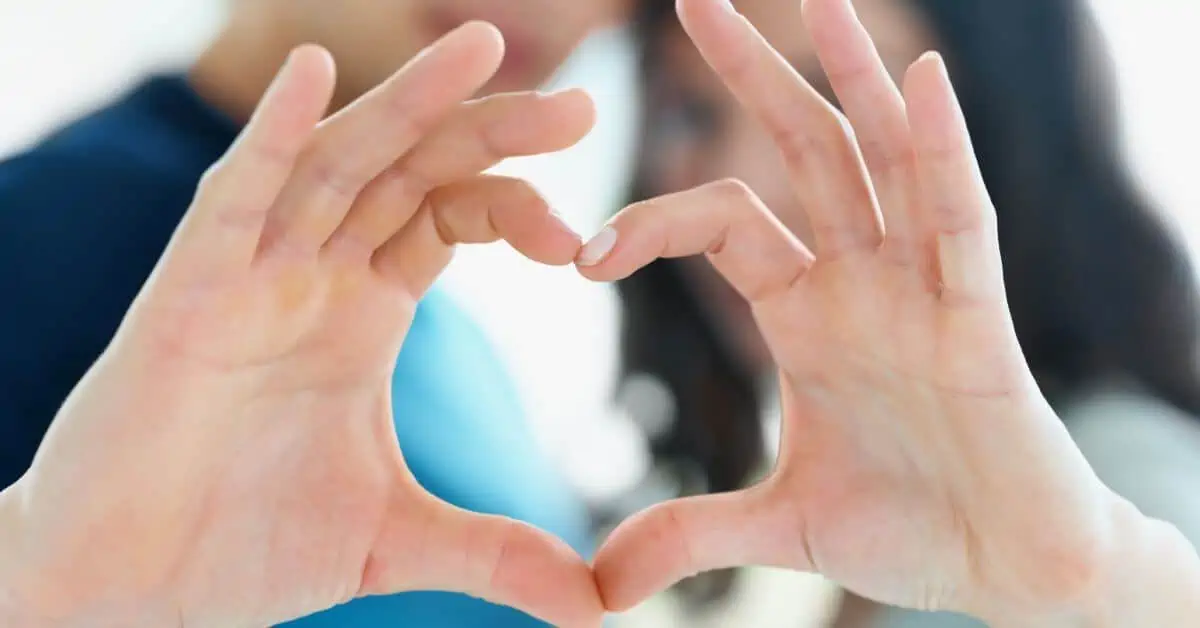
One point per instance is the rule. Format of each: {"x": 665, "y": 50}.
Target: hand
{"x": 920, "y": 466}
{"x": 231, "y": 459}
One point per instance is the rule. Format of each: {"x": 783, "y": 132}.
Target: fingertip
{"x": 485, "y": 32}
{"x": 598, "y": 249}
{"x": 484, "y": 42}
{"x": 562, "y": 242}
{"x": 582, "y": 106}
{"x": 574, "y": 114}
{"x": 924, "y": 73}
{"x": 832, "y": 23}
{"x": 540, "y": 574}
{"x": 811, "y": 10}
{"x": 695, "y": 12}
{"x": 314, "y": 57}
{"x": 935, "y": 114}
{"x": 644, "y": 556}
{"x": 304, "y": 86}
{"x": 317, "y": 71}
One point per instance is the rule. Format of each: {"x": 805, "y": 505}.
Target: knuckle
{"x": 883, "y": 159}
{"x": 735, "y": 191}
{"x": 804, "y": 144}
{"x": 328, "y": 175}
{"x": 409, "y": 119}
{"x": 740, "y": 201}
{"x": 487, "y": 146}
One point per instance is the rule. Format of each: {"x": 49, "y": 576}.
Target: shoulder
{"x": 116, "y": 178}
{"x": 152, "y": 144}
{"x": 67, "y": 169}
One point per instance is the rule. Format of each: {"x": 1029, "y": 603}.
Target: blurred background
{"x": 558, "y": 334}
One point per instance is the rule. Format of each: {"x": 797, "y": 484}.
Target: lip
{"x": 518, "y": 48}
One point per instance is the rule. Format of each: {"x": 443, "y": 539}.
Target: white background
{"x": 61, "y": 57}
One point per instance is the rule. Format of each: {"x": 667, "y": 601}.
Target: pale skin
{"x": 249, "y": 472}
{"x": 231, "y": 460}
{"x": 919, "y": 466}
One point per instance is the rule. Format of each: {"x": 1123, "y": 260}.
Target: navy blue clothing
{"x": 84, "y": 217}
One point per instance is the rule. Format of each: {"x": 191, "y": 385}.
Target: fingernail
{"x": 598, "y": 247}
{"x": 727, "y": 5}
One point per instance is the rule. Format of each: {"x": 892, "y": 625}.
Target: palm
{"x": 239, "y": 429}
{"x": 890, "y": 510}
{"x": 314, "y": 344}
{"x": 315, "y": 320}
{"x": 916, "y": 445}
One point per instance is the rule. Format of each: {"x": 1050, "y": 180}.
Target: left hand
{"x": 231, "y": 459}
{"x": 920, "y": 466}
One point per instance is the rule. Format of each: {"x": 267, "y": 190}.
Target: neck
{"x": 235, "y": 71}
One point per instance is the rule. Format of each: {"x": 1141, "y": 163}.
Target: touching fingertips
{"x": 576, "y": 100}
{"x": 598, "y": 248}
{"x": 560, "y": 224}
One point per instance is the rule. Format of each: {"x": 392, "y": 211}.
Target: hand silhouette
{"x": 920, "y": 466}
{"x": 241, "y": 463}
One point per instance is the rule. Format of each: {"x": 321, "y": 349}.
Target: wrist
{"x": 14, "y": 609}
{"x": 28, "y": 596}
{"x": 1149, "y": 575}
{"x": 1153, "y": 579}
{"x": 43, "y": 584}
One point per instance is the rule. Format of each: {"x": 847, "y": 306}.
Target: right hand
{"x": 920, "y": 466}
{"x": 231, "y": 458}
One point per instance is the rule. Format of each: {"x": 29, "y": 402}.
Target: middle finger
{"x": 817, "y": 144}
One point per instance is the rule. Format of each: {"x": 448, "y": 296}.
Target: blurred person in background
{"x": 86, "y": 214}
{"x": 1101, "y": 292}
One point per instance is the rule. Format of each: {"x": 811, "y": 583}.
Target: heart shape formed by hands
{"x": 918, "y": 458}
{"x": 254, "y": 369}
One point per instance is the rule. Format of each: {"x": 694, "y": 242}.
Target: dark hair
{"x": 1098, "y": 286}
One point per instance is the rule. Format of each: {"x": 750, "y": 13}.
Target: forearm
{"x": 1151, "y": 578}
{"x": 32, "y": 596}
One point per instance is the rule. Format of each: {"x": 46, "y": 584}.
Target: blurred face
{"x": 371, "y": 39}
{"x": 698, "y": 133}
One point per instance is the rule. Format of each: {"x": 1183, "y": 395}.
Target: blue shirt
{"x": 84, "y": 217}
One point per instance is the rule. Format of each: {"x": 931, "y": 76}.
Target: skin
{"x": 370, "y": 39}
{"x": 721, "y": 139}
{"x": 717, "y": 138}
{"x": 919, "y": 465}
{"x": 247, "y": 395}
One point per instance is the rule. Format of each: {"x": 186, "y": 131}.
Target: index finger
{"x": 358, "y": 143}
{"x": 744, "y": 241}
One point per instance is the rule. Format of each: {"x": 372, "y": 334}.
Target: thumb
{"x": 434, "y": 546}
{"x": 669, "y": 542}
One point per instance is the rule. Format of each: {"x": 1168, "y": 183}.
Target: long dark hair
{"x": 1098, "y": 286}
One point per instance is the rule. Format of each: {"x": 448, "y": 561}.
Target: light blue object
{"x": 462, "y": 429}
